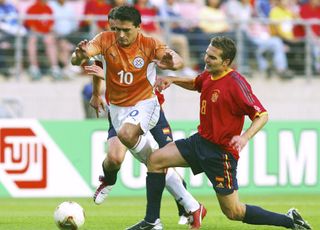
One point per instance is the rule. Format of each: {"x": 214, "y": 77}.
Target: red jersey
{"x": 148, "y": 18}
{"x": 97, "y": 8}
{"x": 224, "y": 102}
{"x": 131, "y": 72}
{"x": 309, "y": 12}
{"x": 43, "y": 25}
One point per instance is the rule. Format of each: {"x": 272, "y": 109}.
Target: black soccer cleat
{"x": 144, "y": 225}
{"x": 298, "y": 221}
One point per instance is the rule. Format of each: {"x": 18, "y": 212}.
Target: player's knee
{"x": 126, "y": 137}
{"x": 114, "y": 159}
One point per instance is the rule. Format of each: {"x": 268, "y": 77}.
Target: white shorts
{"x": 146, "y": 112}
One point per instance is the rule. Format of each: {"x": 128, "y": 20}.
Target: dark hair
{"x": 112, "y": 12}
{"x": 128, "y": 13}
{"x": 227, "y": 46}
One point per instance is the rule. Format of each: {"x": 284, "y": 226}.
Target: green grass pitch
{"x": 121, "y": 212}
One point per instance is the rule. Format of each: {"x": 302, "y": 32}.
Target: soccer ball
{"x": 69, "y": 215}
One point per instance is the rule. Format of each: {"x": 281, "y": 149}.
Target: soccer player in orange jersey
{"x": 131, "y": 60}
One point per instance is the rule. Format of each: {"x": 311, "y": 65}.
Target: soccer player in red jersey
{"x": 225, "y": 99}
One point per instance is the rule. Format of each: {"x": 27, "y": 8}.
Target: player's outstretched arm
{"x": 169, "y": 60}
{"x": 79, "y": 56}
{"x": 95, "y": 70}
{"x": 165, "y": 82}
{"x": 96, "y": 102}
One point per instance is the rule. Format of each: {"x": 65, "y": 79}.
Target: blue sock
{"x": 259, "y": 216}
{"x": 155, "y": 186}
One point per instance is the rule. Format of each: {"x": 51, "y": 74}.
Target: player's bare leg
{"x": 235, "y": 210}
{"x": 156, "y": 183}
{"x": 111, "y": 165}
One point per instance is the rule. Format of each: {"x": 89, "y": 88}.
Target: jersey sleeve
{"x": 198, "y": 82}
{"x": 99, "y": 43}
{"x": 246, "y": 101}
{"x": 160, "y": 49}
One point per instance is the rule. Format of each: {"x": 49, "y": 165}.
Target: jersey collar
{"x": 222, "y": 75}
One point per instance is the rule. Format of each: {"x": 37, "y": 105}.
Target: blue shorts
{"x": 204, "y": 156}
{"x": 111, "y": 131}
{"x": 161, "y": 132}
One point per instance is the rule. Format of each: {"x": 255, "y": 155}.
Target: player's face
{"x": 214, "y": 63}
{"x": 126, "y": 32}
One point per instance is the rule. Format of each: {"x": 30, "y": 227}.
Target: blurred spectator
{"x": 41, "y": 29}
{"x": 149, "y": 24}
{"x": 95, "y": 8}
{"x": 9, "y": 29}
{"x": 284, "y": 13}
{"x": 308, "y": 11}
{"x": 65, "y": 26}
{"x": 189, "y": 11}
{"x": 263, "y": 7}
{"x": 158, "y": 3}
{"x": 213, "y": 19}
{"x": 115, "y": 3}
{"x": 178, "y": 39}
{"x": 257, "y": 39}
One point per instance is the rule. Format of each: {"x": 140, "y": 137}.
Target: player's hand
{"x": 96, "y": 102}
{"x": 81, "y": 50}
{"x": 95, "y": 70}
{"x": 162, "y": 83}
{"x": 166, "y": 61}
{"x": 238, "y": 142}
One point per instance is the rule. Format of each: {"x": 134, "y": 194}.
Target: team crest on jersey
{"x": 215, "y": 95}
{"x": 138, "y": 62}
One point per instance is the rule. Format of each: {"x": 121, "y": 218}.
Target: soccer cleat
{"x": 144, "y": 225}
{"x": 195, "y": 219}
{"x": 102, "y": 191}
{"x": 183, "y": 219}
{"x": 298, "y": 221}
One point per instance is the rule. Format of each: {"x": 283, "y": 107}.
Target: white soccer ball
{"x": 69, "y": 215}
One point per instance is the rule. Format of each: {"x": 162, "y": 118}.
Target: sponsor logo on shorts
{"x": 166, "y": 131}
{"x": 220, "y": 185}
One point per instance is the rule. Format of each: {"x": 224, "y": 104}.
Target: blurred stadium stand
{"x": 293, "y": 99}
{"x": 10, "y": 108}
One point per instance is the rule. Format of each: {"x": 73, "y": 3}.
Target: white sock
{"x": 178, "y": 191}
{"x": 142, "y": 149}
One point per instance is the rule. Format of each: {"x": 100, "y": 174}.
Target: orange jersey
{"x": 131, "y": 72}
